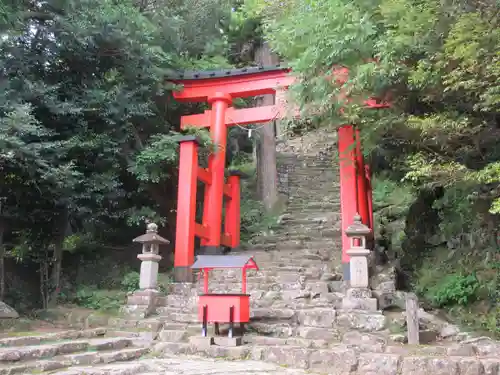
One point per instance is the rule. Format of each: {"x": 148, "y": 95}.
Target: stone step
{"x": 305, "y": 165}
{"x": 77, "y": 359}
{"x": 153, "y": 324}
{"x": 135, "y": 367}
{"x": 300, "y": 201}
{"x": 318, "y": 183}
{"x": 302, "y": 264}
{"x": 310, "y": 232}
{"x": 316, "y": 206}
{"x": 289, "y": 289}
{"x": 32, "y": 352}
{"x": 278, "y": 341}
{"x": 310, "y": 220}
{"x": 48, "y": 337}
{"x": 276, "y": 246}
{"x": 171, "y": 335}
{"x": 128, "y": 334}
{"x": 318, "y": 164}
{"x": 318, "y": 176}
{"x": 313, "y": 322}
{"x": 295, "y": 256}
{"x": 292, "y": 227}
{"x": 272, "y": 274}
{"x": 319, "y": 189}
{"x": 298, "y": 210}
{"x": 293, "y": 250}
{"x": 317, "y": 180}
{"x": 177, "y": 317}
{"x": 284, "y": 236}
{"x": 365, "y": 357}
{"x": 179, "y": 334}
{"x": 283, "y": 245}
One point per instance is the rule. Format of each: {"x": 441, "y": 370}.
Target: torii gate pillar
{"x": 217, "y": 161}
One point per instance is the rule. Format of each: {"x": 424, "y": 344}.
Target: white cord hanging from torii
{"x": 249, "y": 130}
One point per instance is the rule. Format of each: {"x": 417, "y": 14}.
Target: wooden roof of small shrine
{"x": 224, "y": 261}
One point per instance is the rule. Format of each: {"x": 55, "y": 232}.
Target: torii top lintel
{"x": 200, "y": 86}
{"x": 238, "y": 83}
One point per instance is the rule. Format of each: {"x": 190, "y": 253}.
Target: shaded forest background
{"x": 88, "y": 146}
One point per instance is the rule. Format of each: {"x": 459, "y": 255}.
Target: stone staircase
{"x": 297, "y": 316}
{"x": 51, "y": 352}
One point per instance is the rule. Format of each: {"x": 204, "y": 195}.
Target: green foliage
{"x": 455, "y": 289}
{"x": 130, "y": 282}
{"x": 103, "y": 300}
{"x": 439, "y": 61}
{"x": 87, "y": 122}
{"x": 391, "y": 197}
{"x": 462, "y": 277}
{"x": 391, "y": 201}
{"x": 254, "y": 219}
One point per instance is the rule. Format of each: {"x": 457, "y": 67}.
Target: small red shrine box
{"x": 222, "y": 307}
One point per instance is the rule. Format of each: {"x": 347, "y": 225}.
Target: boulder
{"x": 7, "y": 312}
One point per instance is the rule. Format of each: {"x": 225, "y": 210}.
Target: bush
{"x": 104, "y": 300}
{"x": 454, "y": 290}
{"x": 254, "y": 219}
{"x": 130, "y": 281}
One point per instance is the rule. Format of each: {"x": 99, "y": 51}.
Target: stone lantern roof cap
{"x": 357, "y": 228}
{"x": 151, "y": 236}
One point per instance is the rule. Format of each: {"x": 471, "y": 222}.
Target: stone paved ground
{"x": 186, "y": 366}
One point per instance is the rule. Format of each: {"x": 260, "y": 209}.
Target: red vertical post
{"x": 186, "y": 209}
{"x": 218, "y": 131}
{"x": 206, "y": 204}
{"x": 205, "y": 281}
{"x": 233, "y": 219}
{"x": 362, "y": 193}
{"x": 369, "y": 196}
{"x": 244, "y": 281}
{"x": 348, "y": 195}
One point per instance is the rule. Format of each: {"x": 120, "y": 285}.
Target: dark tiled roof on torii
{"x": 204, "y": 74}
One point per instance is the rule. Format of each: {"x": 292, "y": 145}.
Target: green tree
{"x": 439, "y": 63}
{"x": 87, "y": 121}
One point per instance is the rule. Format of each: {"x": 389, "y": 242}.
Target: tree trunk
{"x": 60, "y": 234}
{"x": 2, "y": 255}
{"x": 44, "y": 281}
{"x": 266, "y": 152}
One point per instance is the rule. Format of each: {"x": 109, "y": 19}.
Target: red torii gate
{"x": 219, "y": 89}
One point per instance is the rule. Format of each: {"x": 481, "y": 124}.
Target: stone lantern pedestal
{"x": 359, "y": 295}
{"x": 143, "y": 302}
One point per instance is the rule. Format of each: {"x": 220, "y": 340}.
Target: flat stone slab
{"x": 228, "y": 341}
{"x": 184, "y": 366}
{"x": 48, "y": 337}
{"x": 200, "y": 342}
{"x": 86, "y": 358}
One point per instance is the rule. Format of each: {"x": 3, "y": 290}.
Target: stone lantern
{"x": 150, "y": 257}
{"x": 144, "y": 301}
{"x": 357, "y": 233}
{"x": 359, "y": 296}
